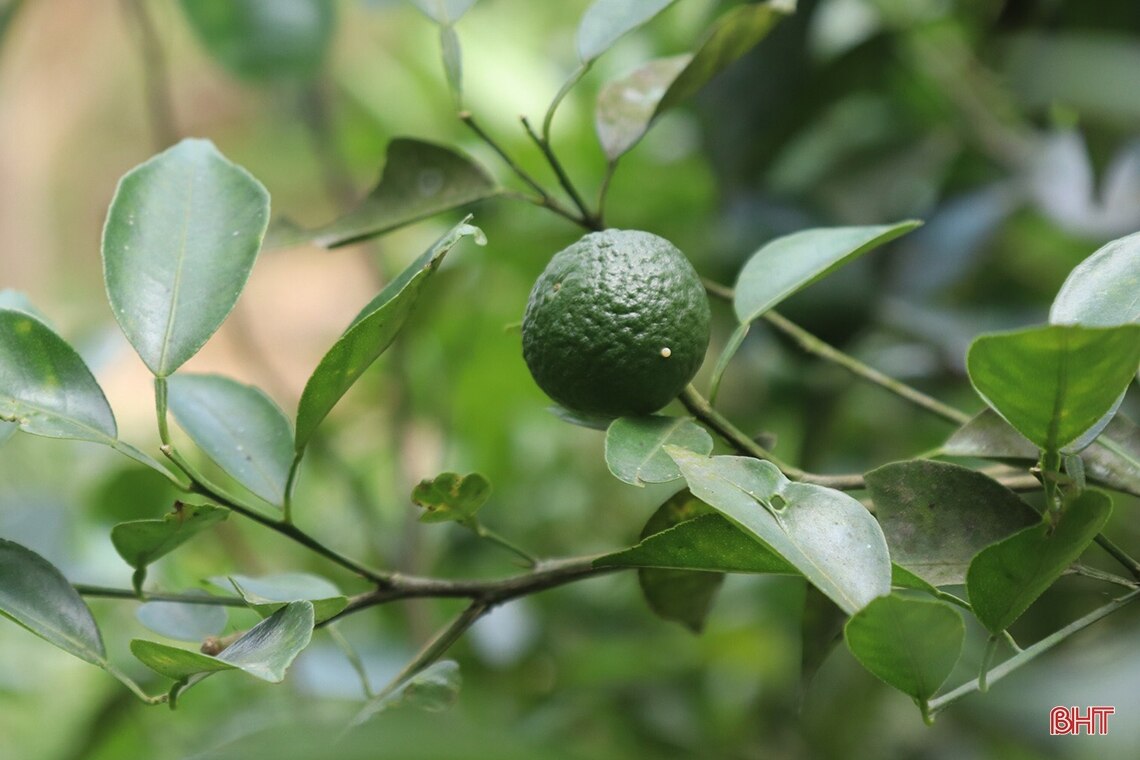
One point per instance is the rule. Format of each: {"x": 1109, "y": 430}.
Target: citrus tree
{"x": 902, "y": 559}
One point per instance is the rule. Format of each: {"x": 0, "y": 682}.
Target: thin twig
{"x": 124, "y": 593}
{"x": 543, "y": 144}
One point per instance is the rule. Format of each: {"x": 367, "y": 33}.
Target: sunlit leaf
{"x": 239, "y": 428}
{"x": 1057, "y": 385}
{"x": 825, "y": 534}
{"x": 635, "y": 447}
{"x": 370, "y": 334}
{"x": 35, "y": 595}
{"x": 180, "y": 240}
{"x": 420, "y": 180}
{"x": 45, "y": 388}
{"x": 450, "y": 496}
{"x": 607, "y": 21}
{"x": 937, "y": 516}
{"x": 791, "y": 263}
{"x": 911, "y": 644}
{"x": 141, "y": 542}
{"x": 1007, "y": 577}
{"x": 1104, "y": 289}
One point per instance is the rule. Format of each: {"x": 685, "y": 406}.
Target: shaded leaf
{"x": 1057, "y": 385}
{"x": 370, "y": 334}
{"x": 184, "y": 622}
{"x": 1112, "y": 460}
{"x": 180, "y": 240}
{"x": 450, "y": 496}
{"x": 937, "y": 516}
{"x": 452, "y": 55}
{"x": 1004, "y": 579}
{"x": 35, "y": 595}
{"x": 264, "y": 651}
{"x": 628, "y": 105}
{"x": 239, "y": 428}
{"x": 268, "y": 594}
{"x": 264, "y": 40}
{"x": 45, "y": 388}
{"x": 607, "y": 21}
{"x": 635, "y": 451}
{"x": 709, "y": 542}
{"x": 141, "y": 542}
{"x": 791, "y": 263}
{"x": 433, "y": 689}
{"x": 420, "y": 180}
{"x": 825, "y": 534}
{"x": 444, "y": 12}
{"x": 1104, "y": 289}
{"x": 911, "y": 644}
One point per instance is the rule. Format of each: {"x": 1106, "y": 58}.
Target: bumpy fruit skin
{"x": 616, "y": 325}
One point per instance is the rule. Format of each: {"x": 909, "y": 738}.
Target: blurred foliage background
{"x": 1011, "y": 127}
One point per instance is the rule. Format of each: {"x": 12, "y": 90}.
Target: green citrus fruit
{"x": 617, "y": 325}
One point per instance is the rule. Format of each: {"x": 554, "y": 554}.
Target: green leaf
{"x": 937, "y": 516}
{"x": 911, "y": 644}
{"x": 1004, "y": 579}
{"x": 452, "y": 55}
{"x": 825, "y": 534}
{"x": 35, "y": 595}
{"x": 1113, "y": 459}
{"x": 264, "y": 41}
{"x": 628, "y": 106}
{"x": 450, "y": 496}
{"x": 444, "y": 12}
{"x": 1104, "y": 289}
{"x": 821, "y": 628}
{"x": 45, "y": 388}
{"x": 141, "y": 542}
{"x": 433, "y": 689}
{"x": 790, "y": 263}
{"x": 420, "y": 180}
{"x": 635, "y": 452}
{"x": 268, "y": 594}
{"x": 181, "y": 237}
{"x": 607, "y": 21}
{"x": 370, "y": 334}
{"x": 1056, "y": 385}
{"x": 264, "y": 651}
{"x": 184, "y": 622}
{"x": 239, "y": 428}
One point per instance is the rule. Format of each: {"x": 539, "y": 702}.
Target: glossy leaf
{"x": 1113, "y": 459}
{"x": 1104, "y": 289}
{"x": 433, "y": 689}
{"x": 370, "y": 334}
{"x": 825, "y": 534}
{"x": 444, "y": 11}
{"x": 1007, "y": 577}
{"x": 264, "y": 651}
{"x": 45, "y": 388}
{"x": 937, "y": 516}
{"x": 635, "y": 447}
{"x": 268, "y": 594}
{"x": 420, "y": 180}
{"x": 627, "y": 106}
{"x": 911, "y": 644}
{"x": 35, "y": 595}
{"x": 607, "y": 21}
{"x": 450, "y": 496}
{"x": 264, "y": 40}
{"x": 790, "y": 263}
{"x": 141, "y": 542}
{"x": 184, "y": 622}
{"x": 180, "y": 240}
{"x": 239, "y": 428}
{"x": 1056, "y": 385}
